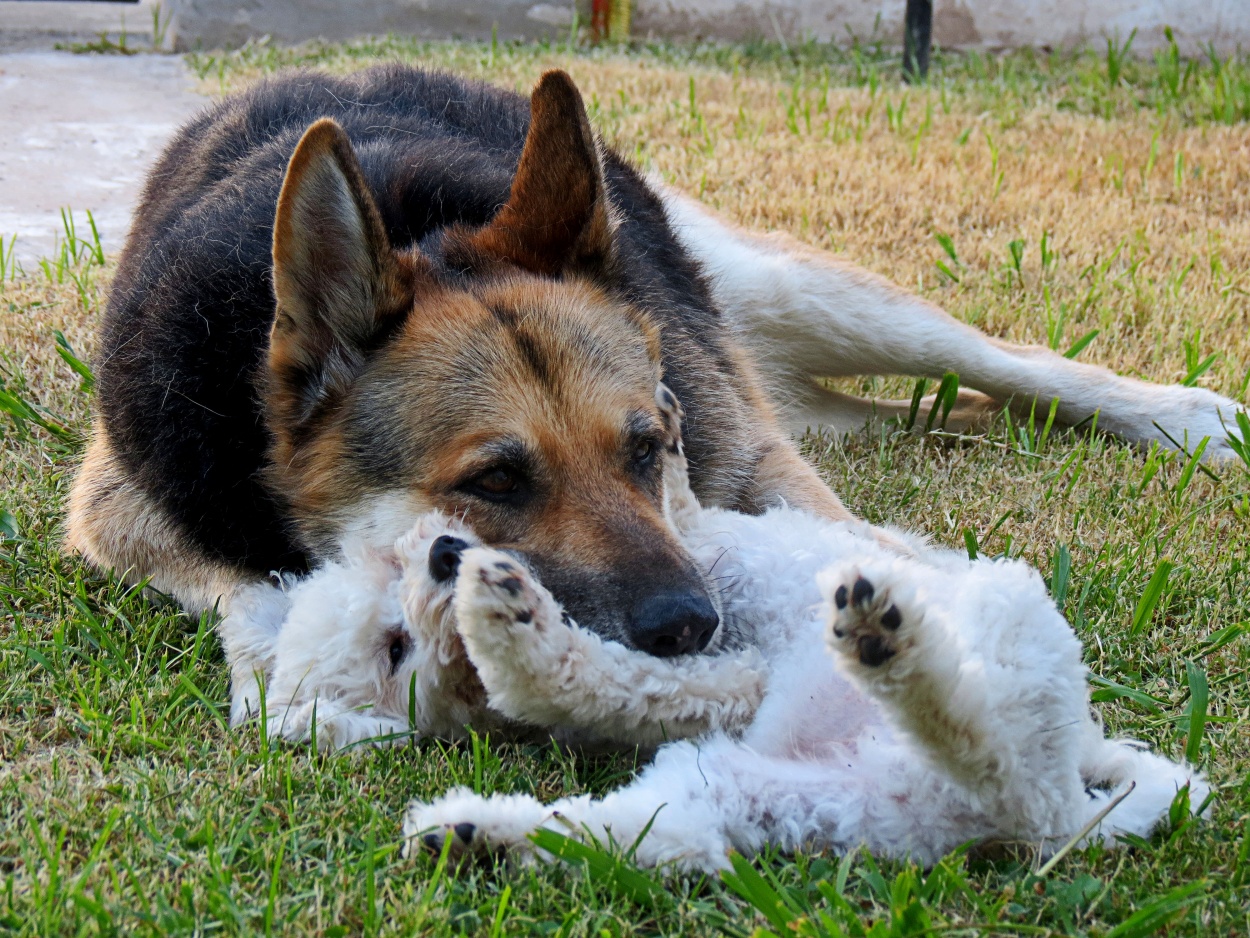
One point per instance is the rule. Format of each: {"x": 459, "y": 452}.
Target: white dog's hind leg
{"x": 539, "y": 668}
{"x": 699, "y": 800}
{"x": 808, "y": 314}
{"x": 974, "y": 663}
{"x": 686, "y": 802}
{"x": 1111, "y": 766}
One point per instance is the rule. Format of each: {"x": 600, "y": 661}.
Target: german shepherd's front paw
{"x": 870, "y": 617}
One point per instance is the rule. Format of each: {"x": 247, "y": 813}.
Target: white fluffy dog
{"x": 907, "y": 702}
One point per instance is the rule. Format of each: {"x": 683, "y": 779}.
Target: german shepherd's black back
{"x": 180, "y": 368}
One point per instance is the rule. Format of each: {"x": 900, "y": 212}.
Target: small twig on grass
{"x": 1080, "y": 835}
{"x": 972, "y": 438}
{"x": 1184, "y": 449}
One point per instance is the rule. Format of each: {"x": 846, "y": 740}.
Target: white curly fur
{"x": 954, "y": 708}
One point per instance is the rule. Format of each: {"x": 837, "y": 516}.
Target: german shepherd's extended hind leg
{"x": 809, "y": 315}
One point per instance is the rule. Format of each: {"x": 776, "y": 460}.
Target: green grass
{"x": 126, "y": 806}
{"x": 1208, "y": 89}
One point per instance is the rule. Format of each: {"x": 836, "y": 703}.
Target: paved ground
{"x": 81, "y": 131}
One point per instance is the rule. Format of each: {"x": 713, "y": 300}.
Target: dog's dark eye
{"x": 497, "y": 481}
{"x": 643, "y": 451}
{"x": 397, "y": 649}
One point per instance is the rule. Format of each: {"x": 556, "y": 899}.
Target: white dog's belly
{"x": 812, "y": 713}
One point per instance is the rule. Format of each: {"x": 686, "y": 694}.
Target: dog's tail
{"x": 1132, "y": 790}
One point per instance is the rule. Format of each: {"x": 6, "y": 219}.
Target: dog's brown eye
{"x": 644, "y": 450}
{"x": 497, "y": 482}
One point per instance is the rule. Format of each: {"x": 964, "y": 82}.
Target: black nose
{"x": 673, "y": 623}
{"x": 445, "y": 557}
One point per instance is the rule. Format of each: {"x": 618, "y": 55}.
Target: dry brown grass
{"x": 877, "y": 191}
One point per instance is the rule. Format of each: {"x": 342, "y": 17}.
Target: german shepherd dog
{"x": 346, "y": 302}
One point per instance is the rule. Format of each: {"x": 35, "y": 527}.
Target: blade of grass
{"x": 1151, "y": 917}
{"x": 602, "y": 867}
{"x": 1199, "y": 694}
{"x": 1080, "y": 344}
{"x": 1110, "y": 690}
{"x": 1150, "y": 597}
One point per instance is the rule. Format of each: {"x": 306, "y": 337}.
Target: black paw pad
{"x": 525, "y": 616}
{"x": 445, "y": 557}
{"x": 861, "y": 592}
{"x": 873, "y": 651}
{"x": 433, "y": 842}
{"x": 512, "y": 585}
{"x": 839, "y": 597}
{"x": 464, "y": 831}
{"x": 892, "y": 618}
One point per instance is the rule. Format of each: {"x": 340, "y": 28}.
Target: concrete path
{"x": 81, "y": 131}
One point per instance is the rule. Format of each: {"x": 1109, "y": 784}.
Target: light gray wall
{"x": 956, "y": 23}
{"x": 960, "y": 23}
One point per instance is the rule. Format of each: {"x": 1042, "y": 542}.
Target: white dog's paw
{"x": 467, "y": 824}
{"x": 495, "y": 590}
{"x": 869, "y": 622}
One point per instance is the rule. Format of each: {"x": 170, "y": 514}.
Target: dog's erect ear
{"x": 337, "y": 281}
{"x": 557, "y": 215}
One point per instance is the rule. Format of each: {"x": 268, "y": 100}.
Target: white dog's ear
{"x": 379, "y": 564}
{"x": 671, "y": 414}
{"x": 680, "y": 504}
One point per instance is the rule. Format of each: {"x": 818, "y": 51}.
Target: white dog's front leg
{"x": 543, "y": 669}
{"x": 810, "y": 315}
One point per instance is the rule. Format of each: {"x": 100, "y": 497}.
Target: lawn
{"x": 1093, "y": 202}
